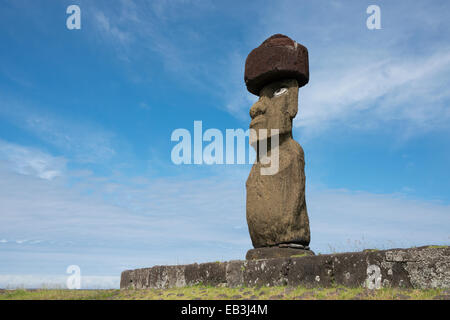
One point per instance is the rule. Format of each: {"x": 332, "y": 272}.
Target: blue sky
{"x": 86, "y": 118}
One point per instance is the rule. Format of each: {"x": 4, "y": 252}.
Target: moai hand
{"x": 276, "y": 208}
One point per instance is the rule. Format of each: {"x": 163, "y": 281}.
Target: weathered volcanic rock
{"x": 424, "y": 267}
{"x": 278, "y": 57}
{"x": 276, "y": 252}
{"x": 276, "y": 205}
{"x": 275, "y": 202}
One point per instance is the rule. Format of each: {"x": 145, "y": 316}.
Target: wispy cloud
{"x": 190, "y": 56}
{"x": 80, "y": 141}
{"x": 237, "y": 100}
{"x": 86, "y": 142}
{"x": 110, "y": 222}
{"x": 56, "y": 281}
{"x": 379, "y": 221}
{"x": 409, "y": 89}
{"x": 361, "y": 79}
{"x": 31, "y": 161}
{"x": 105, "y": 26}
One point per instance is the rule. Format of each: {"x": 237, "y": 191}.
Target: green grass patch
{"x": 57, "y": 294}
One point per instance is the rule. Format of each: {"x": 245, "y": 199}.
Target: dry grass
{"x": 220, "y": 293}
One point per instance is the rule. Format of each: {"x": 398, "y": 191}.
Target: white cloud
{"x": 233, "y": 90}
{"x": 35, "y": 281}
{"x": 116, "y": 210}
{"x": 139, "y": 222}
{"x": 113, "y": 31}
{"x": 80, "y": 141}
{"x": 31, "y": 161}
{"x": 85, "y": 142}
{"x": 359, "y": 79}
{"x": 409, "y": 89}
{"x": 184, "y": 51}
{"x": 343, "y": 217}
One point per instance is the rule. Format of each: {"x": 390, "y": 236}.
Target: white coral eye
{"x": 279, "y": 92}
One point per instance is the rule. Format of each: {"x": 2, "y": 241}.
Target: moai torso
{"x": 276, "y": 206}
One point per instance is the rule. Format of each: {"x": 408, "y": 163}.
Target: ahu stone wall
{"x": 424, "y": 267}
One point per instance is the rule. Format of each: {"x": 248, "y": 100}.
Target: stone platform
{"x": 277, "y": 252}
{"x": 424, "y": 267}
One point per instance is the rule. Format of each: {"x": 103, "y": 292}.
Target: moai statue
{"x": 276, "y": 208}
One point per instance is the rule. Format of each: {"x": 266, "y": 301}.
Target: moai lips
{"x": 276, "y": 206}
{"x": 279, "y": 57}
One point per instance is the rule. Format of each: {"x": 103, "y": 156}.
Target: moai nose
{"x": 258, "y": 108}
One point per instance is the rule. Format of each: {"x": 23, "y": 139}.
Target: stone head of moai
{"x": 275, "y": 71}
{"x": 276, "y": 208}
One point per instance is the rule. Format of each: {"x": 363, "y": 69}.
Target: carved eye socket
{"x": 279, "y": 92}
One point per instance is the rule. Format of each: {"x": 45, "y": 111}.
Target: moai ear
{"x": 292, "y": 99}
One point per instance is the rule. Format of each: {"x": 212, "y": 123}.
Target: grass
{"x": 299, "y": 255}
{"x": 57, "y": 294}
{"x": 220, "y": 293}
